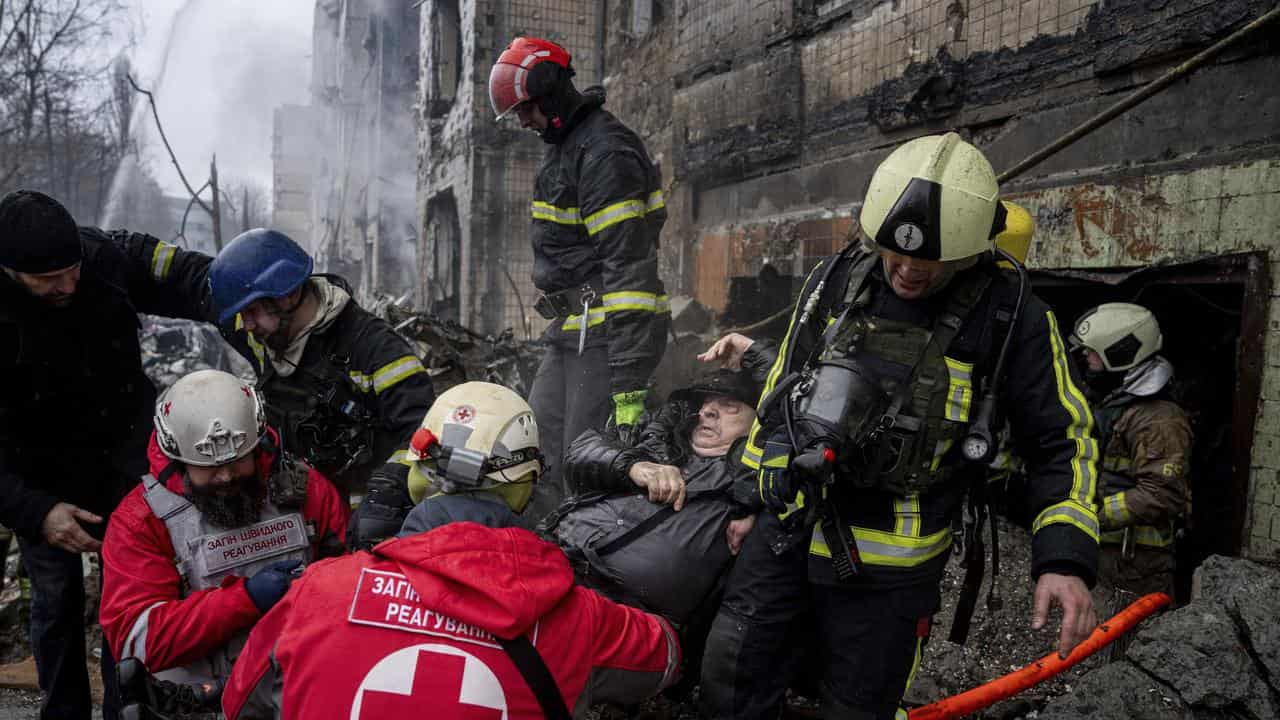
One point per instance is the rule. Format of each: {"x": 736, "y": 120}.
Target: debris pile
{"x": 1217, "y": 657}
{"x": 173, "y": 348}
{"x": 454, "y": 353}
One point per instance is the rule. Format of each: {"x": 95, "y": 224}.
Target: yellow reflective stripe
{"x": 161, "y": 259}
{"x": 395, "y": 371}
{"x": 362, "y": 381}
{"x": 959, "y": 390}
{"x": 594, "y": 317}
{"x": 901, "y": 713}
{"x": 259, "y": 351}
{"x": 400, "y": 457}
{"x": 563, "y": 216}
{"x": 940, "y": 451}
{"x": 1119, "y": 463}
{"x": 753, "y": 446}
{"x": 617, "y": 302}
{"x": 1115, "y": 510}
{"x": 878, "y": 547}
{"x": 778, "y": 461}
{"x": 906, "y": 515}
{"x": 636, "y": 300}
{"x": 752, "y": 456}
{"x": 1068, "y": 512}
{"x": 1084, "y": 472}
{"x": 613, "y": 214}
{"x": 656, "y": 201}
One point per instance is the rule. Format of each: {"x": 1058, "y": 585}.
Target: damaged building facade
{"x": 767, "y": 118}
{"x": 344, "y": 164}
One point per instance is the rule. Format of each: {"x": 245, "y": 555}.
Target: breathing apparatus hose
{"x": 980, "y": 435}
{"x": 971, "y": 701}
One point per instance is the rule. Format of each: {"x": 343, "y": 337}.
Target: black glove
{"x": 380, "y": 515}
{"x": 270, "y": 583}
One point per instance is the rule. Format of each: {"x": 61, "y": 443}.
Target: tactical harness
{"x": 322, "y": 414}
{"x": 205, "y": 555}
{"x": 898, "y": 440}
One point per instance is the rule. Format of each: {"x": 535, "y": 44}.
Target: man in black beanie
{"x": 75, "y": 414}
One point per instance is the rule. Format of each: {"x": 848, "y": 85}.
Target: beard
{"x": 278, "y": 341}
{"x": 231, "y": 506}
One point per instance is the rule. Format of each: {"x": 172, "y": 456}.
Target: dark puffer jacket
{"x": 640, "y": 552}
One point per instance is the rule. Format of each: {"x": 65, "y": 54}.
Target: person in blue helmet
{"x": 345, "y": 391}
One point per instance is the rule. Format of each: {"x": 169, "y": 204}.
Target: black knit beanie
{"x": 37, "y": 234}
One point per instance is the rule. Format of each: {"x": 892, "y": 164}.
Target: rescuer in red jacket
{"x": 204, "y": 546}
{"x": 463, "y": 615}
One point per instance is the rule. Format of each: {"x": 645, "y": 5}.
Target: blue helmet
{"x": 258, "y": 263}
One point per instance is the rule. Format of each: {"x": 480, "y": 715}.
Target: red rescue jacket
{"x": 409, "y": 631}
{"x": 143, "y": 613}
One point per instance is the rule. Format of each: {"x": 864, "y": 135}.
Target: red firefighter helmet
{"x": 525, "y": 71}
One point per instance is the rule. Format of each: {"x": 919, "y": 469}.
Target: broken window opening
{"x": 446, "y": 57}
{"x": 444, "y": 257}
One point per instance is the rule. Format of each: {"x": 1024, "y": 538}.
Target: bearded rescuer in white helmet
{"x": 464, "y": 614}
{"x": 904, "y": 351}
{"x": 1146, "y": 442}
{"x": 211, "y": 539}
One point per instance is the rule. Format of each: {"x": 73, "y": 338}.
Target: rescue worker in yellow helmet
{"x": 1146, "y": 442}
{"x": 488, "y": 468}
{"x": 903, "y": 352}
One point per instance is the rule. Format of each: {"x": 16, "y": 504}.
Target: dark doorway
{"x": 1212, "y": 315}
{"x": 443, "y": 257}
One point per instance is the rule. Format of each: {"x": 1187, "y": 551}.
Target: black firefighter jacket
{"x": 75, "y": 406}
{"x": 383, "y": 371}
{"x": 597, "y": 212}
{"x": 905, "y": 540}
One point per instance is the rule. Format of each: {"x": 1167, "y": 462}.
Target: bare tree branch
{"x": 160, "y": 128}
{"x": 182, "y": 229}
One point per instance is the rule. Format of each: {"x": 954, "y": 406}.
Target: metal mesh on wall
{"x": 575, "y": 24}
{"x": 514, "y": 246}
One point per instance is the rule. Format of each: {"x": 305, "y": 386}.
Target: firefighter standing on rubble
{"x": 877, "y": 412}
{"x": 207, "y": 544}
{"x": 1146, "y": 444}
{"x": 597, "y": 213}
{"x": 343, "y": 389}
{"x": 463, "y": 614}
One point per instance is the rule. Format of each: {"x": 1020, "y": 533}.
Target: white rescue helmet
{"x": 208, "y": 418}
{"x": 933, "y": 198}
{"x": 477, "y": 436}
{"x": 1123, "y": 334}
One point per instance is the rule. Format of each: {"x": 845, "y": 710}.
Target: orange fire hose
{"x": 971, "y": 701}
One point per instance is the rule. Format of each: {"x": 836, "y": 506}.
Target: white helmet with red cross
{"x": 208, "y": 418}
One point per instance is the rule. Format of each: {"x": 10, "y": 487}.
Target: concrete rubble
{"x": 1217, "y": 657}
{"x": 173, "y": 348}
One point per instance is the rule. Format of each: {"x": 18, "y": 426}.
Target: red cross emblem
{"x": 453, "y": 683}
{"x": 464, "y": 414}
{"x": 168, "y": 406}
{"x": 247, "y": 392}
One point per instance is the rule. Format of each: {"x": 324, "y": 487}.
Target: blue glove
{"x": 269, "y": 584}
{"x": 778, "y": 486}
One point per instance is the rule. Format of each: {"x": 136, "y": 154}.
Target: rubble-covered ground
{"x": 173, "y": 348}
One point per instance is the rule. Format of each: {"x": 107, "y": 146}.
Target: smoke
{"x": 218, "y": 69}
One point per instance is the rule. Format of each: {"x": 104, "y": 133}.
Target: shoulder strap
{"x": 959, "y": 306}
{"x": 537, "y": 676}
{"x": 162, "y": 501}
